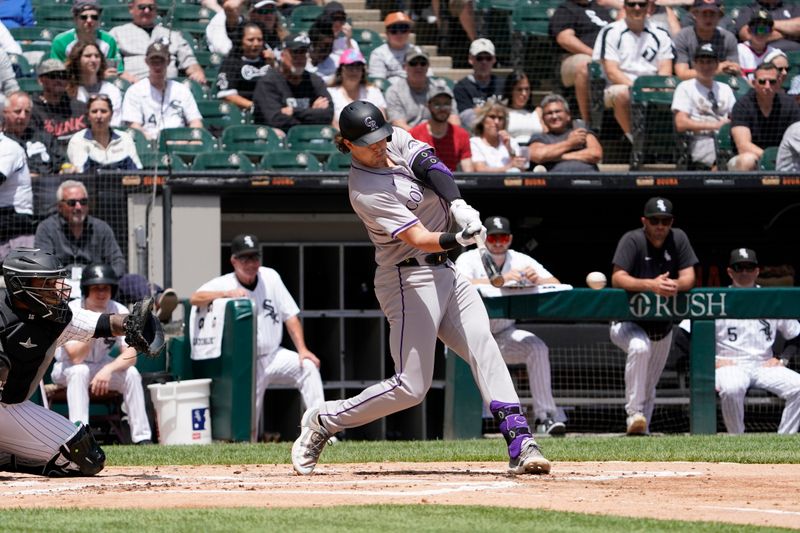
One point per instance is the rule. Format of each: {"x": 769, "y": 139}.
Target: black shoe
{"x": 144, "y": 442}
{"x": 548, "y": 426}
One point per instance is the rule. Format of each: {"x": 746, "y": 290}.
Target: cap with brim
{"x": 415, "y": 52}
{"x": 706, "y": 50}
{"x": 497, "y": 225}
{"x": 245, "y": 243}
{"x": 264, "y": 3}
{"x": 762, "y": 15}
{"x": 481, "y": 46}
{"x": 658, "y": 207}
{"x": 50, "y": 66}
{"x": 398, "y": 17}
{"x": 743, "y": 256}
{"x": 157, "y": 49}
{"x": 79, "y": 6}
{"x": 351, "y": 56}
{"x": 707, "y": 4}
{"x": 333, "y": 7}
{"x": 439, "y": 88}
{"x": 296, "y": 41}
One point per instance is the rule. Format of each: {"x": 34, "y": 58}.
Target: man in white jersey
{"x": 517, "y": 345}
{"x": 274, "y": 308}
{"x": 407, "y": 199}
{"x": 744, "y": 356}
{"x": 85, "y": 366}
{"x": 16, "y": 196}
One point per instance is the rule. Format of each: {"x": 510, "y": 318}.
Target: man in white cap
{"x": 474, "y": 90}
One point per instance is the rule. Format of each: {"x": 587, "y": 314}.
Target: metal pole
{"x": 167, "y": 229}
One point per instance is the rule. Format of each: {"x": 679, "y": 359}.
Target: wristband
{"x": 447, "y": 241}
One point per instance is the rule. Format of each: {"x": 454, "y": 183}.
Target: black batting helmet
{"x": 362, "y": 124}
{"x": 99, "y": 274}
{"x": 37, "y": 280}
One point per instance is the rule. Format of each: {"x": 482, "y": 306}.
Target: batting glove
{"x": 466, "y": 237}
{"x": 464, "y": 214}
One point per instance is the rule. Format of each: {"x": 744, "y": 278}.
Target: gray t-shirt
{"x": 789, "y": 150}
{"x": 404, "y": 103}
{"x": 553, "y": 138}
{"x": 390, "y": 200}
{"x": 686, "y": 44}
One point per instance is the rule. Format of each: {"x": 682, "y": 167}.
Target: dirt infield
{"x": 744, "y": 494}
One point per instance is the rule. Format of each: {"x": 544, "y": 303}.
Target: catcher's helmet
{"x": 36, "y": 279}
{"x": 99, "y": 274}
{"x": 363, "y": 124}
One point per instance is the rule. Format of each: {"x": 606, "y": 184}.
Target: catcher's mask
{"x": 37, "y": 280}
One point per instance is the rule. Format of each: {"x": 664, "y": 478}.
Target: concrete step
{"x": 360, "y": 15}
{"x": 352, "y": 4}
{"x": 456, "y": 74}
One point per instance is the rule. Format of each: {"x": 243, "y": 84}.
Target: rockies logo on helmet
{"x": 363, "y": 124}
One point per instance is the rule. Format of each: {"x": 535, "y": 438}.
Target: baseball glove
{"x": 143, "y": 331}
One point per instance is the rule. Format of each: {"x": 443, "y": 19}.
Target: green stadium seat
{"x": 32, "y": 34}
{"x": 163, "y": 161}
{"x": 218, "y": 115}
{"x": 303, "y": 16}
{"x": 115, "y": 15}
{"x": 380, "y": 83}
{"x": 651, "y": 119}
{"x": 25, "y": 68}
{"x": 199, "y": 91}
{"x": 30, "y": 85}
{"x": 450, "y": 83}
{"x": 530, "y": 19}
{"x": 210, "y": 62}
{"x": 56, "y": 17}
{"x": 251, "y": 140}
{"x": 737, "y": 83}
{"x": 120, "y": 83}
{"x": 597, "y": 85}
{"x": 723, "y": 143}
{"x": 338, "y": 162}
{"x": 186, "y": 142}
{"x": 317, "y": 139}
{"x": 368, "y": 40}
{"x": 769, "y": 158}
{"x": 143, "y": 144}
{"x": 191, "y": 18}
{"x": 222, "y": 161}
{"x": 290, "y": 160}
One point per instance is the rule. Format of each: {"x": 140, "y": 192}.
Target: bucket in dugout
{"x": 182, "y": 411}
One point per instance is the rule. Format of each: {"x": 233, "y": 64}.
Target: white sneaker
{"x": 637, "y": 424}
{"x": 530, "y": 460}
{"x": 308, "y": 446}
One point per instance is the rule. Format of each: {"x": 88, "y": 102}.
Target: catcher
{"x": 34, "y": 320}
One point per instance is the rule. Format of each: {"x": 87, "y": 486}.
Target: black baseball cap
{"x": 707, "y": 4}
{"x": 497, "y": 225}
{"x": 707, "y": 50}
{"x": 296, "y": 41}
{"x": 658, "y": 207}
{"x": 743, "y": 256}
{"x": 763, "y": 16}
{"x": 246, "y": 243}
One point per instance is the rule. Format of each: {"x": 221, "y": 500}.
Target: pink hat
{"x": 351, "y": 56}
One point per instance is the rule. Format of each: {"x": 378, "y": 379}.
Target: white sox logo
{"x": 370, "y": 123}
{"x": 694, "y": 305}
{"x": 661, "y": 206}
{"x": 248, "y": 241}
{"x": 270, "y": 310}
{"x": 497, "y": 223}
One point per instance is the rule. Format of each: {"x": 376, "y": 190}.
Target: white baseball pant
{"x": 733, "y": 381}
{"x": 282, "y": 367}
{"x": 77, "y": 378}
{"x": 519, "y": 346}
{"x": 32, "y": 433}
{"x": 643, "y": 367}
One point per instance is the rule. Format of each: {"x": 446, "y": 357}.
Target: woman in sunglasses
{"x": 493, "y": 148}
{"x": 781, "y": 62}
{"x": 241, "y": 71}
{"x": 350, "y": 84}
{"x": 100, "y": 146}
{"x": 86, "y": 66}
{"x": 753, "y": 51}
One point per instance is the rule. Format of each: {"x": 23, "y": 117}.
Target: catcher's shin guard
{"x": 513, "y": 425}
{"x": 5, "y": 368}
{"x": 80, "y": 456}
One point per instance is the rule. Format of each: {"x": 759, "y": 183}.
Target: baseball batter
{"x": 744, "y": 356}
{"x": 518, "y": 346}
{"x": 406, "y": 197}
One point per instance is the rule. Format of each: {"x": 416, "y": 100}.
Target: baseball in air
{"x": 596, "y": 280}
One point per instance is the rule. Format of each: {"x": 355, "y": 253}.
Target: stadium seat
{"x": 251, "y": 140}
{"x": 32, "y": 34}
{"x": 597, "y": 85}
{"x": 163, "y": 161}
{"x": 380, "y": 83}
{"x": 652, "y": 123}
{"x": 531, "y": 19}
{"x": 115, "y": 15}
{"x": 724, "y": 146}
{"x": 769, "y": 158}
{"x": 199, "y": 91}
{"x": 143, "y": 144}
{"x": 338, "y": 162}
{"x": 222, "y": 161}
{"x": 218, "y": 115}
{"x": 303, "y": 16}
{"x": 191, "y": 18}
{"x": 290, "y": 160}
{"x": 312, "y": 138}
{"x": 450, "y": 83}
{"x": 737, "y": 83}
{"x": 120, "y": 83}
{"x": 30, "y": 85}
{"x": 56, "y": 17}
{"x": 210, "y": 62}
{"x": 25, "y": 69}
{"x": 368, "y": 40}
{"x": 186, "y": 142}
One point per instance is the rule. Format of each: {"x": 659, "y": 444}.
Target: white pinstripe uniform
{"x": 276, "y": 365}
{"x": 517, "y": 345}
{"x": 748, "y": 343}
{"x": 76, "y": 377}
{"x": 31, "y": 435}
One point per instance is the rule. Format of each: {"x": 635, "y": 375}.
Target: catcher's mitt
{"x": 143, "y": 331}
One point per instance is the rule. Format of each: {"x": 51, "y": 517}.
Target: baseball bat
{"x": 495, "y": 277}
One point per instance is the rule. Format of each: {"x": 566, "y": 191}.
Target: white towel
{"x": 207, "y": 325}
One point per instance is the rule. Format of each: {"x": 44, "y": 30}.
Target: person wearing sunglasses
{"x": 86, "y": 15}
{"x": 134, "y": 37}
{"x": 785, "y": 32}
{"x": 781, "y": 62}
{"x": 53, "y": 110}
{"x": 567, "y": 145}
{"x": 450, "y": 141}
{"x": 746, "y": 355}
{"x": 655, "y": 258}
{"x": 321, "y": 60}
{"x": 342, "y": 30}
{"x": 629, "y": 48}
{"x": 706, "y": 15}
{"x": 350, "y": 84}
{"x": 476, "y": 89}
{"x": 518, "y": 346}
{"x": 760, "y": 118}
{"x": 16, "y": 195}
{"x": 753, "y": 51}
{"x": 387, "y": 60}
{"x": 701, "y": 106}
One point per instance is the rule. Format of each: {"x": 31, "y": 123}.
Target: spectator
{"x": 53, "y": 110}
{"x": 290, "y": 95}
{"x": 664, "y": 17}
{"x": 8, "y": 80}
{"x": 351, "y": 84}
{"x": 760, "y": 118}
{"x": 85, "y": 67}
{"x": 44, "y": 154}
{"x": 387, "y": 60}
{"x": 99, "y": 146}
{"x": 342, "y": 30}
{"x": 656, "y": 258}
{"x": 574, "y": 26}
{"x": 524, "y": 118}
{"x": 239, "y": 73}
{"x": 16, "y": 197}
{"x": 463, "y": 10}
{"x": 753, "y": 51}
{"x": 493, "y": 149}
{"x": 744, "y": 355}
{"x": 7, "y": 42}
{"x": 567, "y": 146}
{"x": 479, "y": 87}
{"x": 706, "y": 15}
{"x": 275, "y": 308}
{"x": 786, "y": 30}
{"x": 136, "y": 36}
{"x": 450, "y": 141}
{"x": 17, "y": 13}
{"x": 789, "y": 150}
{"x": 407, "y": 99}
{"x": 156, "y": 103}
{"x": 85, "y": 367}
{"x": 263, "y": 12}
{"x": 86, "y": 14}
{"x": 781, "y": 62}
{"x": 518, "y": 346}
{"x": 321, "y": 61}
{"x": 618, "y": 48}
{"x": 701, "y": 106}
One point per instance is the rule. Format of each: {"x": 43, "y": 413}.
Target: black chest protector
{"x": 28, "y": 342}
